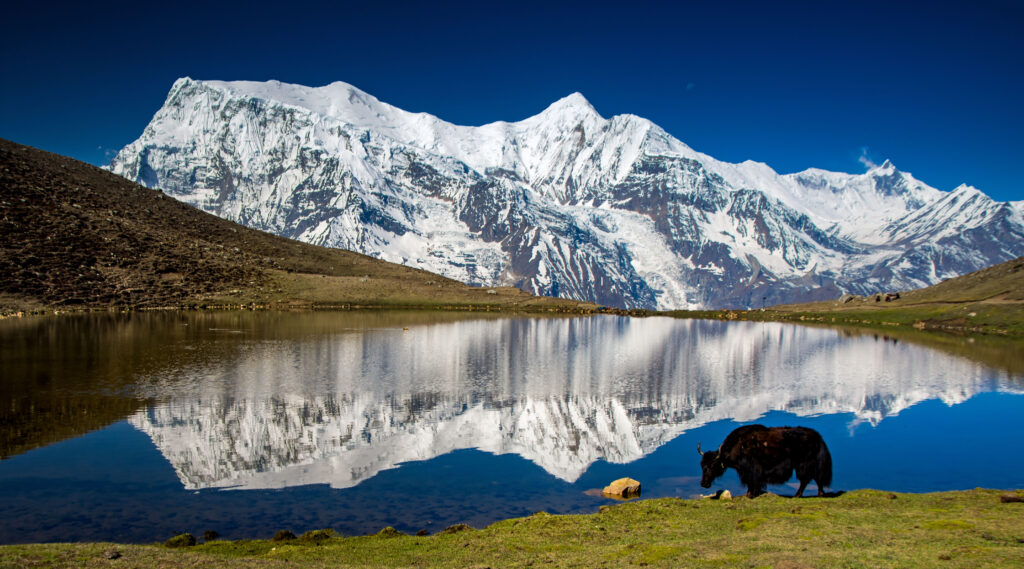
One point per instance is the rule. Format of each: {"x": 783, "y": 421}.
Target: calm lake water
{"x": 133, "y": 428}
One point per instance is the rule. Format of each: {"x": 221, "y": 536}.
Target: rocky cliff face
{"x": 565, "y": 203}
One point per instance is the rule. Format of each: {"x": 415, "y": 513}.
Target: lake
{"x": 135, "y": 427}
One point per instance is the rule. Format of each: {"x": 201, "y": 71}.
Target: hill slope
{"x": 990, "y": 300}
{"x": 996, "y": 284}
{"x": 1001, "y": 284}
{"x": 73, "y": 235}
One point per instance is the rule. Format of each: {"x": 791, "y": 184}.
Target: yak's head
{"x": 711, "y": 466}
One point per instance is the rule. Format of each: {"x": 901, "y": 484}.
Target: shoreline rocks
{"x": 623, "y": 488}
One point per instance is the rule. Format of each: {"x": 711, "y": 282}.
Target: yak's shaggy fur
{"x": 763, "y": 456}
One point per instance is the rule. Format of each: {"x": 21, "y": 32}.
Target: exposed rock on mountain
{"x": 565, "y": 203}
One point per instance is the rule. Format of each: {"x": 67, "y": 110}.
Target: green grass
{"x": 865, "y": 528}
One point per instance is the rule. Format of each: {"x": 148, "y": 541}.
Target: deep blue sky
{"x": 935, "y": 87}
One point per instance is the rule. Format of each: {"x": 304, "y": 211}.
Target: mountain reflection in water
{"x": 338, "y": 408}
{"x": 130, "y": 427}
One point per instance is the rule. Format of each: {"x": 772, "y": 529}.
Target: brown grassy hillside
{"x": 989, "y": 301}
{"x": 75, "y": 236}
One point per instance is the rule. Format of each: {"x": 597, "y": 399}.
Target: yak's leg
{"x": 800, "y": 491}
{"x": 821, "y": 489}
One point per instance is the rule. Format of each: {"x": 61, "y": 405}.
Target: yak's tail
{"x": 824, "y": 477}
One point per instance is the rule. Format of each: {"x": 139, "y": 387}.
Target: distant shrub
{"x": 210, "y": 535}
{"x": 283, "y": 535}
{"x": 454, "y": 529}
{"x": 317, "y": 535}
{"x": 181, "y": 540}
{"x": 389, "y": 532}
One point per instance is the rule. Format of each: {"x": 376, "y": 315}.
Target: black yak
{"x": 763, "y": 456}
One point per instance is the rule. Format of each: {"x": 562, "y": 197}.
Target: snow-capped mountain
{"x": 564, "y": 203}
{"x": 562, "y": 393}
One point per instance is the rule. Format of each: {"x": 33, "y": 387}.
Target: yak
{"x": 762, "y": 456}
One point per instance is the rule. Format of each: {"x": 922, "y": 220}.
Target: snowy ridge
{"x": 561, "y": 393}
{"x": 857, "y": 202}
{"x": 564, "y": 203}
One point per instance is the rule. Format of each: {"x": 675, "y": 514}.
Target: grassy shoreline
{"x": 956, "y": 318}
{"x": 973, "y": 318}
{"x": 862, "y": 528}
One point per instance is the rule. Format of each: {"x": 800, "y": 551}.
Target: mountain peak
{"x": 574, "y": 105}
{"x": 887, "y": 170}
{"x": 565, "y": 202}
{"x": 967, "y": 189}
{"x": 574, "y": 99}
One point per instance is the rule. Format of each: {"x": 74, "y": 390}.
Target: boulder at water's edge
{"x": 622, "y": 488}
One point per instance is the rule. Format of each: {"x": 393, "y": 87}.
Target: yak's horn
{"x": 698, "y": 449}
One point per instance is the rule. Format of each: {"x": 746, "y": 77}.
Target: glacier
{"x": 565, "y": 203}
